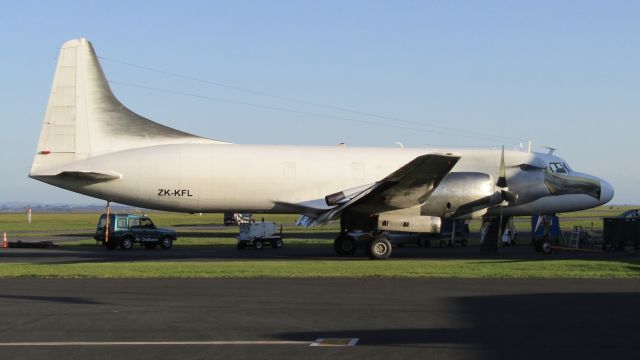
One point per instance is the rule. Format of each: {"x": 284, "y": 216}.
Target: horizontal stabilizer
{"x": 92, "y": 176}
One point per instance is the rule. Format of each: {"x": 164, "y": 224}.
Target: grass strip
{"x": 332, "y": 268}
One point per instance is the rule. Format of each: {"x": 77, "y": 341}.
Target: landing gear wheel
{"x": 258, "y": 245}
{"x": 546, "y": 248}
{"x": 127, "y": 243}
{"x": 277, "y": 244}
{"x": 166, "y": 243}
{"x": 345, "y": 245}
{"x": 540, "y": 244}
{"x": 150, "y": 246}
{"x": 379, "y": 248}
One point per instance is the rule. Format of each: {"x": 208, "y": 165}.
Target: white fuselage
{"x": 264, "y": 178}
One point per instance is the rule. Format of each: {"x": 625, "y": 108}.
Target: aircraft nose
{"x": 607, "y": 192}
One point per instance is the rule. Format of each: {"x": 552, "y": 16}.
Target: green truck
{"x": 127, "y": 229}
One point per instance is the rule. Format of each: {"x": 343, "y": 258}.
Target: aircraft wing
{"x": 406, "y": 187}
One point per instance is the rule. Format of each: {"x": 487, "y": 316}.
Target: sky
{"x": 564, "y": 74}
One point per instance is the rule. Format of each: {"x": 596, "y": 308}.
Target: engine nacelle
{"x": 462, "y": 195}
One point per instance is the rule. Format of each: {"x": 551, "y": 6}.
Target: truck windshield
{"x": 146, "y": 223}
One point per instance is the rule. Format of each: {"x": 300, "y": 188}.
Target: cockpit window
{"x": 559, "y": 168}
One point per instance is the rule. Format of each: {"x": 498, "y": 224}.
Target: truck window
{"x": 146, "y": 223}
{"x": 134, "y": 223}
{"x": 122, "y": 223}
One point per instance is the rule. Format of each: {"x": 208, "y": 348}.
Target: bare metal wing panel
{"x": 406, "y": 187}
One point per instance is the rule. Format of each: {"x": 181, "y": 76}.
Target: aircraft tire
{"x": 546, "y": 248}
{"x": 379, "y": 248}
{"x": 345, "y": 245}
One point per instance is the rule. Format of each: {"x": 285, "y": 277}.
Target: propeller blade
{"x": 509, "y": 196}
{"x": 502, "y": 179}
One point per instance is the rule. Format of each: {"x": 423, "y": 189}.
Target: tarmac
{"x": 288, "y": 318}
{"x": 78, "y": 254}
{"x": 282, "y": 318}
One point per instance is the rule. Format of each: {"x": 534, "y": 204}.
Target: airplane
{"x": 92, "y": 144}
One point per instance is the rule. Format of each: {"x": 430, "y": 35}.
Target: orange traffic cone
{"x": 5, "y": 243}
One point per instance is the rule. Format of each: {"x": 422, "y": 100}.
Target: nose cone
{"x": 607, "y": 192}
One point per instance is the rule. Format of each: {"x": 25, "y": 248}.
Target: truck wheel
{"x": 379, "y": 248}
{"x": 150, "y": 246}
{"x": 126, "y": 243}
{"x": 258, "y": 244}
{"x": 277, "y": 244}
{"x": 166, "y": 242}
{"x": 110, "y": 244}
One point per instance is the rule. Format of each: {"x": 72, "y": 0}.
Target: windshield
{"x": 146, "y": 223}
{"x": 559, "y": 168}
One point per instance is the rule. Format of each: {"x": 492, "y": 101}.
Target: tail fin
{"x": 85, "y": 119}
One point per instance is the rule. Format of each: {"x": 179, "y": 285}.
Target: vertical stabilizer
{"x": 84, "y": 118}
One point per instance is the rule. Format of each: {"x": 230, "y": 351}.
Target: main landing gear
{"x": 377, "y": 247}
{"x": 345, "y": 245}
